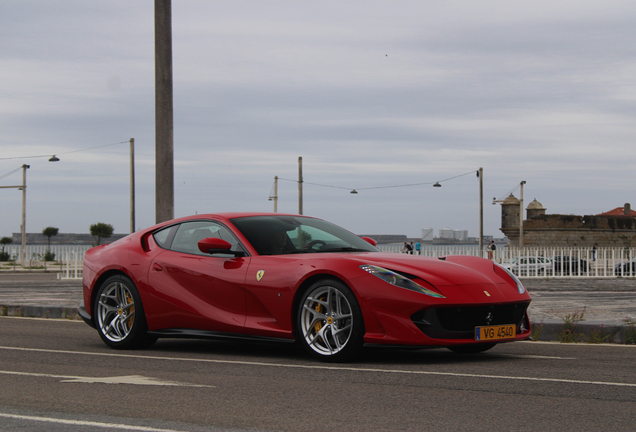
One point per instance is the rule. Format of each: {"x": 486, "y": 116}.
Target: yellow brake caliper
{"x": 318, "y": 325}
{"x": 131, "y": 310}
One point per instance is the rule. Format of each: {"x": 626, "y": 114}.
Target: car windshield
{"x": 277, "y": 235}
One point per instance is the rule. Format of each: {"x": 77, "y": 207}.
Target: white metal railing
{"x": 546, "y": 262}
{"x": 527, "y": 262}
{"x": 67, "y": 260}
{"x": 73, "y": 264}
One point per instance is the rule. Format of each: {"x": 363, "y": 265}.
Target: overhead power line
{"x": 64, "y": 153}
{"x": 11, "y": 172}
{"x": 383, "y": 187}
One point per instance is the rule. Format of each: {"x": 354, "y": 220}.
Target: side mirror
{"x": 370, "y": 241}
{"x": 213, "y": 245}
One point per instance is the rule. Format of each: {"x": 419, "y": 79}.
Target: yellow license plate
{"x": 495, "y": 332}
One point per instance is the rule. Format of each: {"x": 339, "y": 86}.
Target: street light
{"x": 22, "y": 187}
{"x": 480, "y": 175}
{"x": 274, "y": 196}
{"x": 54, "y": 158}
{"x": 495, "y": 200}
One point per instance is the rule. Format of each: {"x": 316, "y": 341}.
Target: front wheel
{"x": 329, "y": 321}
{"x": 119, "y": 315}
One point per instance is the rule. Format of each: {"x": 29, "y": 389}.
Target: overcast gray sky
{"x": 369, "y": 93}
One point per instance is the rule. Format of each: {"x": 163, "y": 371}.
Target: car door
{"x": 197, "y": 290}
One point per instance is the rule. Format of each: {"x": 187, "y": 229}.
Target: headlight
{"x": 398, "y": 280}
{"x": 520, "y": 286}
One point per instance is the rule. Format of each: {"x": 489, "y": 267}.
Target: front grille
{"x": 459, "y": 322}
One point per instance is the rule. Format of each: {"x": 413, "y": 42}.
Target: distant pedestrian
{"x": 412, "y": 247}
{"x": 407, "y": 248}
{"x": 594, "y": 252}
{"x": 418, "y": 248}
{"x": 491, "y": 248}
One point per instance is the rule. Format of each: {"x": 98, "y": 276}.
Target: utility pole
{"x": 300, "y": 185}
{"x": 132, "y": 185}
{"x": 22, "y": 187}
{"x": 275, "y": 196}
{"x": 480, "y": 174}
{"x": 521, "y": 216}
{"x": 164, "y": 130}
{"x": 23, "y": 247}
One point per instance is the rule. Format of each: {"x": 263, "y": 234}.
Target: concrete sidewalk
{"x": 608, "y": 305}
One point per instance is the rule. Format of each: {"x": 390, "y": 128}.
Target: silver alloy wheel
{"x": 326, "y": 320}
{"x": 116, "y": 312}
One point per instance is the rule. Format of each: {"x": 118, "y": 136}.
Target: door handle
{"x": 157, "y": 267}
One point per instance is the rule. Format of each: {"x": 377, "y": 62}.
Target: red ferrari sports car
{"x": 294, "y": 278}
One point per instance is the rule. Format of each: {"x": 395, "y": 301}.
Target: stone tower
{"x": 534, "y": 209}
{"x": 510, "y": 213}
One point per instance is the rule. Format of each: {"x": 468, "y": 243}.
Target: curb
{"x": 546, "y": 330}
{"x": 585, "y": 332}
{"x": 53, "y": 312}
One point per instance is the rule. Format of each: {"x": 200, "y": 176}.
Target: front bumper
{"x": 459, "y": 322}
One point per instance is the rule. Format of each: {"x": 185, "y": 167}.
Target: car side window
{"x": 190, "y": 233}
{"x": 164, "y": 237}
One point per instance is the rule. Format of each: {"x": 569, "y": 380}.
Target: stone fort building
{"x": 615, "y": 228}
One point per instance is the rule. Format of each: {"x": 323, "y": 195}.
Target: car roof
{"x": 223, "y": 216}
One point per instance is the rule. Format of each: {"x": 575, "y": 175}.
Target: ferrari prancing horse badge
{"x": 259, "y": 275}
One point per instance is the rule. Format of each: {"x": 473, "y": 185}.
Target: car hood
{"x": 452, "y": 270}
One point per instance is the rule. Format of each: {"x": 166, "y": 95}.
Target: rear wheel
{"x": 119, "y": 315}
{"x": 329, "y": 321}
{"x": 471, "y": 349}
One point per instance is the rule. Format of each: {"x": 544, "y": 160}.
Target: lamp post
{"x": 22, "y": 187}
{"x": 23, "y": 247}
{"x": 521, "y": 215}
{"x": 480, "y": 175}
{"x": 275, "y": 196}
{"x": 132, "y": 185}
{"x": 495, "y": 200}
{"x": 54, "y": 158}
{"x": 300, "y": 185}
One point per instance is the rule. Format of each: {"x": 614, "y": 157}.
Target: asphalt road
{"x": 58, "y": 375}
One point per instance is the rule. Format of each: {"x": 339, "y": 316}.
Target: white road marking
{"x": 85, "y": 423}
{"x": 530, "y": 356}
{"x": 130, "y": 379}
{"x": 332, "y": 368}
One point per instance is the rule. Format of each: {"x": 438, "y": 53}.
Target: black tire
{"x": 471, "y": 349}
{"x": 119, "y": 315}
{"x": 329, "y": 323}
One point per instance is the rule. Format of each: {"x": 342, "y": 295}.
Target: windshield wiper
{"x": 343, "y": 249}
